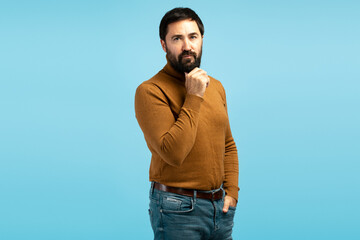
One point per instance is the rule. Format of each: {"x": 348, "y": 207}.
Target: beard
{"x": 182, "y": 65}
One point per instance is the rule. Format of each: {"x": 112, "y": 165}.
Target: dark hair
{"x": 178, "y": 14}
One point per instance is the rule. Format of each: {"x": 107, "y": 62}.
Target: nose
{"x": 186, "y": 45}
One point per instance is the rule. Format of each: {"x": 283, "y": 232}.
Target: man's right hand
{"x": 196, "y": 82}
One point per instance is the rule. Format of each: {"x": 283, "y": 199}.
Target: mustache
{"x": 184, "y": 53}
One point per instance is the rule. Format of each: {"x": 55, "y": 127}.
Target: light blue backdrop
{"x": 73, "y": 161}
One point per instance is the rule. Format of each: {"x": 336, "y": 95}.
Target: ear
{"x": 163, "y": 45}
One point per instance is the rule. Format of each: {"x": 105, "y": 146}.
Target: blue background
{"x": 73, "y": 161}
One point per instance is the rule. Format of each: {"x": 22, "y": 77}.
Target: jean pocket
{"x": 232, "y": 208}
{"x": 177, "y": 204}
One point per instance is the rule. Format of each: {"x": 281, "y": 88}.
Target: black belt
{"x": 190, "y": 192}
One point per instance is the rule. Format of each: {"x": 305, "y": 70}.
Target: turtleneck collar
{"x": 172, "y": 72}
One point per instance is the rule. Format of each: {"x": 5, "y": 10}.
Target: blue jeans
{"x": 175, "y": 216}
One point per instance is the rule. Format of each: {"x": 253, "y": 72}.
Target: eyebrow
{"x": 180, "y": 35}
{"x": 176, "y": 36}
{"x": 194, "y": 33}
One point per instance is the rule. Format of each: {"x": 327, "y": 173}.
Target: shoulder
{"x": 152, "y": 90}
{"x": 150, "y": 85}
{"x": 218, "y": 86}
{"x": 147, "y": 89}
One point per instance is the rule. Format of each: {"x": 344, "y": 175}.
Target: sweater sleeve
{"x": 171, "y": 138}
{"x": 231, "y": 166}
{"x": 231, "y": 163}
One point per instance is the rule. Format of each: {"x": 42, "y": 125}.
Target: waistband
{"x": 210, "y": 195}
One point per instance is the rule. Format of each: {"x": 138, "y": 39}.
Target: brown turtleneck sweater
{"x": 189, "y": 137}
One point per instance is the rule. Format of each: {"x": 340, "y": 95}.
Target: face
{"x": 183, "y": 45}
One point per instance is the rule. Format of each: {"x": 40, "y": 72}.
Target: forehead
{"x": 183, "y": 27}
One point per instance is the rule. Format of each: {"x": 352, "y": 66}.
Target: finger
{"x": 226, "y": 206}
{"x": 201, "y": 77}
{"x": 197, "y": 73}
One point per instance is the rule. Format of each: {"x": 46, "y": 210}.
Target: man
{"x": 183, "y": 114}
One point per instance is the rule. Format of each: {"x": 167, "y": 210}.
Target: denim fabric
{"x": 175, "y": 216}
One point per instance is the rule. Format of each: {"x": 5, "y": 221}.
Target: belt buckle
{"x": 212, "y": 196}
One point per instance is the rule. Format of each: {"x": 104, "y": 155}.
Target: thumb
{"x": 226, "y": 206}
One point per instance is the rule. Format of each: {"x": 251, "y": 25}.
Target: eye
{"x": 176, "y": 39}
{"x": 193, "y": 37}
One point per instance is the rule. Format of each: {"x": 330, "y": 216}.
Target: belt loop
{"x": 152, "y": 188}
{"x": 195, "y": 196}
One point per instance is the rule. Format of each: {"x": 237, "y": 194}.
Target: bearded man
{"x": 182, "y": 112}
